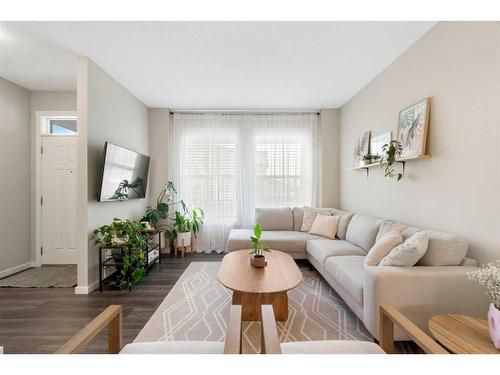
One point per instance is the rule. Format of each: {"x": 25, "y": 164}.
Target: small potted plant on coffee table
{"x": 257, "y": 258}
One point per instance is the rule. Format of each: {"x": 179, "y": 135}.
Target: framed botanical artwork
{"x": 362, "y": 148}
{"x": 377, "y": 143}
{"x": 412, "y": 128}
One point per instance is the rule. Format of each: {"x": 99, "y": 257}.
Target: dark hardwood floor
{"x": 39, "y": 320}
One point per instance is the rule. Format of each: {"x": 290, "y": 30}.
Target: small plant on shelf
{"x": 392, "y": 151}
{"x": 257, "y": 258}
{"x": 130, "y": 235}
{"x": 366, "y": 159}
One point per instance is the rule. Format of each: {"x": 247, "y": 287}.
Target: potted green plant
{"x": 392, "y": 151}
{"x": 366, "y": 159}
{"x": 257, "y": 258}
{"x": 163, "y": 202}
{"x": 187, "y": 224}
{"x": 128, "y": 234}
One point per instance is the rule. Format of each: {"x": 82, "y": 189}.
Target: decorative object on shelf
{"x": 392, "y": 151}
{"x": 366, "y": 160}
{"x": 362, "y": 148}
{"x": 412, "y": 128}
{"x": 130, "y": 236}
{"x": 376, "y": 145}
{"x": 488, "y": 277}
{"x": 257, "y": 258}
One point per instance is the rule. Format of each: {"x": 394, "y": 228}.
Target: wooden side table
{"x": 462, "y": 334}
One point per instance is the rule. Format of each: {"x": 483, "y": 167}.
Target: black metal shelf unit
{"x": 109, "y": 254}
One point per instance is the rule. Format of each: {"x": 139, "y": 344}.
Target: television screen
{"x": 124, "y": 174}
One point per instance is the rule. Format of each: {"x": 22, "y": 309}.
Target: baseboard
{"x": 87, "y": 289}
{"x": 16, "y": 269}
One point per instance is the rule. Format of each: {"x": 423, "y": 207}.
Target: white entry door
{"x": 59, "y": 200}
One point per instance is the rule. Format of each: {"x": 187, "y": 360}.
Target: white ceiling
{"x": 211, "y": 65}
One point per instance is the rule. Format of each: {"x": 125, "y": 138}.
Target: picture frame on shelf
{"x": 376, "y": 144}
{"x": 413, "y": 124}
{"x": 361, "y": 148}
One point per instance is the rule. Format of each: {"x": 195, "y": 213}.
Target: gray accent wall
{"x": 15, "y": 205}
{"x": 107, "y": 112}
{"x": 458, "y": 189}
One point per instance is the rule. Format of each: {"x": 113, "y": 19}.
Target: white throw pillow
{"x": 409, "y": 252}
{"x": 325, "y": 226}
{"x": 382, "y": 247}
{"x": 309, "y": 216}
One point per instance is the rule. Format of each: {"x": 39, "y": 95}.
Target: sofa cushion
{"x": 174, "y": 347}
{"x": 325, "y": 226}
{"x": 409, "y": 252}
{"x": 383, "y": 245}
{"x": 298, "y": 215}
{"x": 309, "y": 216}
{"x": 345, "y": 218}
{"x": 274, "y": 218}
{"x": 348, "y": 272}
{"x": 362, "y": 231}
{"x": 331, "y": 347}
{"x": 444, "y": 249}
{"x": 321, "y": 249}
{"x": 282, "y": 240}
{"x": 387, "y": 226}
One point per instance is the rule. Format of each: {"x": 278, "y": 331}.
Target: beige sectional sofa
{"x": 437, "y": 284}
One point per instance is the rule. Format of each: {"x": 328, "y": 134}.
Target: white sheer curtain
{"x": 228, "y": 164}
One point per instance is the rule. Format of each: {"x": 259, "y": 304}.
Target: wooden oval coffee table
{"x": 253, "y": 287}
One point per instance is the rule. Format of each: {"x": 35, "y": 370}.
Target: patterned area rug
{"x": 42, "y": 277}
{"x": 197, "y": 309}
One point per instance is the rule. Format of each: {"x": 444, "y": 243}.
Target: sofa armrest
{"x": 420, "y": 292}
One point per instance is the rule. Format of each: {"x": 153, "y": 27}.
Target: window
{"x": 62, "y": 126}
{"x": 228, "y": 164}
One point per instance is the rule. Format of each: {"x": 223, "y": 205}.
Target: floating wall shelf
{"x": 400, "y": 160}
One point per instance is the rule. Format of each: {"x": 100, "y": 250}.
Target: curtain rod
{"x": 235, "y": 112}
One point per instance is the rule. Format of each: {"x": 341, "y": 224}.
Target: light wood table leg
{"x": 251, "y": 302}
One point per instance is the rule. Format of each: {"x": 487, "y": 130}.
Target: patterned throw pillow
{"x": 309, "y": 216}
{"x": 408, "y": 253}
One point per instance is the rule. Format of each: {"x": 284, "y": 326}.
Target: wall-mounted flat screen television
{"x": 124, "y": 174}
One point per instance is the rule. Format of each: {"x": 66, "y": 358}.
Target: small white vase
{"x": 494, "y": 325}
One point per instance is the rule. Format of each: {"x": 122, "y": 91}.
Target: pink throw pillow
{"x": 325, "y": 226}
{"x": 383, "y": 246}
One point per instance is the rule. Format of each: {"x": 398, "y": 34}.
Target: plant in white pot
{"x": 187, "y": 224}
{"x": 257, "y": 258}
{"x": 488, "y": 277}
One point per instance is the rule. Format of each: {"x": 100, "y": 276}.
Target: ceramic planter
{"x": 365, "y": 162}
{"x": 494, "y": 324}
{"x": 258, "y": 261}
{"x": 186, "y": 236}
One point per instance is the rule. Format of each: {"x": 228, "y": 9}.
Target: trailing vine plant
{"x": 392, "y": 151}
{"x": 131, "y": 264}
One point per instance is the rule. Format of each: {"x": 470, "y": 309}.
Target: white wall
{"x": 44, "y": 101}
{"x": 106, "y": 112}
{"x": 159, "y": 146}
{"x": 329, "y": 123}
{"x": 458, "y": 189}
{"x": 15, "y": 253}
